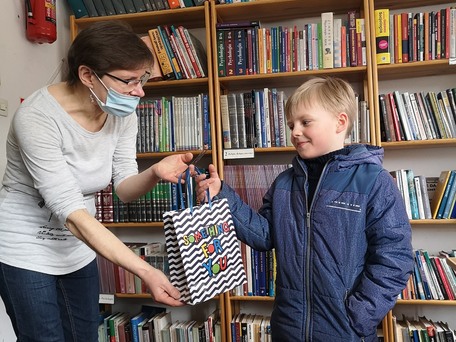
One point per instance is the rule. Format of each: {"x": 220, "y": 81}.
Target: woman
{"x": 66, "y": 142}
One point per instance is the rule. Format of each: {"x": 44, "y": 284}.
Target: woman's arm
{"x": 169, "y": 169}
{"x": 103, "y": 241}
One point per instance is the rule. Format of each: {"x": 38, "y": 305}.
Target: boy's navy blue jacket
{"x": 343, "y": 259}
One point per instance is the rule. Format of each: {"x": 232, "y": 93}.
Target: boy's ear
{"x": 342, "y": 122}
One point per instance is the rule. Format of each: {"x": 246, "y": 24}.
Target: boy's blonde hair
{"x": 331, "y": 93}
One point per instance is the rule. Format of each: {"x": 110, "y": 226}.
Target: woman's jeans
{"x": 49, "y": 308}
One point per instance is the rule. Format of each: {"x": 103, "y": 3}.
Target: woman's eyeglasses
{"x": 132, "y": 83}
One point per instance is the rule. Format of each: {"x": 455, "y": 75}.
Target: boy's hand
{"x": 213, "y": 183}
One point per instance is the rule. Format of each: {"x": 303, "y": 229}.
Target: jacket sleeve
{"x": 252, "y": 228}
{"x": 389, "y": 260}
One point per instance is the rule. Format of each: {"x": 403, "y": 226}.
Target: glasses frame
{"x": 142, "y": 80}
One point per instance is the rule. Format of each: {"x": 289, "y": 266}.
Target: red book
{"x": 405, "y": 37}
{"x": 395, "y": 115}
{"x": 173, "y": 4}
{"x": 444, "y": 278}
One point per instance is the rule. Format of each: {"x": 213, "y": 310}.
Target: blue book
{"x": 134, "y": 321}
{"x": 206, "y": 123}
{"x": 78, "y": 8}
{"x": 445, "y": 195}
{"x": 447, "y": 211}
{"x": 424, "y": 280}
{"x": 262, "y": 273}
{"x": 412, "y": 195}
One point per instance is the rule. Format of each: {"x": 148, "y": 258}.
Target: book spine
{"x": 327, "y": 22}
{"x": 160, "y": 52}
{"x": 352, "y": 38}
{"x": 382, "y": 34}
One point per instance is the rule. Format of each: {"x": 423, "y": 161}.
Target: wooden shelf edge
{"x": 425, "y": 302}
{"x": 397, "y": 145}
{"x": 252, "y": 298}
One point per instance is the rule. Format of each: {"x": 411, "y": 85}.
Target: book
{"x": 119, "y": 7}
{"x": 424, "y": 195}
{"x": 327, "y": 21}
{"x": 382, "y": 34}
{"x": 78, "y": 8}
{"x": 90, "y": 7}
{"x": 160, "y": 53}
{"x": 225, "y": 114}
{"x": 100, "y": 8}
{"x": 233, "y": 119}
{"x": 109, "y": 7}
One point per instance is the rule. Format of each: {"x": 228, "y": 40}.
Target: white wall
{"x": 24, "y": 67}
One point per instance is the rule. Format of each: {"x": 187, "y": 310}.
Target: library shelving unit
{"x": 427, "y": 157}
{"x": 196, "y": 20}
{"x": 274, "y": 13}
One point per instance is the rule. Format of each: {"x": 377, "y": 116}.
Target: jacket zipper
{"x": 308, "y": 221}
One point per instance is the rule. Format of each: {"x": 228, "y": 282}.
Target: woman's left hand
{"x": 171, "y": 167}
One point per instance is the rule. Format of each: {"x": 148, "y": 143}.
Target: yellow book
{"x": 160, "y": 52}
{"x": 382, "y": 36}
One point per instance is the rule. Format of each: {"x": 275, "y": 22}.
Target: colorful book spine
{"x": 382, "y": 33}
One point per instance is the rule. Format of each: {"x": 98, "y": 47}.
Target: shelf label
{"x": 243, "y": 153}
{"x": 106, "y": 298}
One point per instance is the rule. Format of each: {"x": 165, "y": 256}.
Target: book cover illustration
{"x": 203, "y": 251}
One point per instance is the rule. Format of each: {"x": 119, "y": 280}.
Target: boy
{"x": 336, "y": 220}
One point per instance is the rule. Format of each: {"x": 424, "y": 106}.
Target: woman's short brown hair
{"x": 106, "y": 46}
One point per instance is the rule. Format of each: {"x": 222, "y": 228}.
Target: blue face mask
{"x": 117, "y": 104}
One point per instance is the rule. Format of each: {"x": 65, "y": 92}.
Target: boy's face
{"x": 316, "y": 132}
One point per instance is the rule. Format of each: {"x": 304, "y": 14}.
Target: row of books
{"x": 254, "y": 119}
{"x": 421, "y": 330}
{"x": 418, "y": 116}
{"x": 411, "y": 37}
{"x": 174, "y": 124}
{"x": 251, "y": 183}
{"x": 433, "y": 277}
{"x": 148, "y": 208}
{"x": 251, "y": 328}
{"x": 179, "y": 53}
{"x": 417, "y": 192}
{"x": 155, "y": 324}
{"x": 245, "y": 47}
{"x": 99, "y": 8}
{"x": 116, "y": 279}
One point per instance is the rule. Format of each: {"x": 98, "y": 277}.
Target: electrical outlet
{"x": 3, "y": 107}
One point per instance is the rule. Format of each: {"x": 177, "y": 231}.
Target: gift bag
{"x": 203, "y": 250}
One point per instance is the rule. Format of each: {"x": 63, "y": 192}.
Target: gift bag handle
{"x": 188, "y": 187}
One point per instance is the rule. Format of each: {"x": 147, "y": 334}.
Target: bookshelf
{"x": 426, "y": 75}
{"x": 368, "y": 80}
{"x": 197, "y": 21}
{"x": 273, "y": 13}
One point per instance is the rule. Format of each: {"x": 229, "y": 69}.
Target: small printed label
{"x": 243, "y": 153}
{"x": 106, "y": 298}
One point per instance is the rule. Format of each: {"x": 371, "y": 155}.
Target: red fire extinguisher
{"x": 41, "y": 21}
